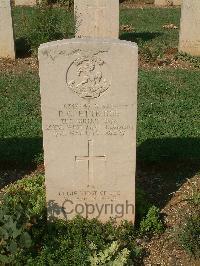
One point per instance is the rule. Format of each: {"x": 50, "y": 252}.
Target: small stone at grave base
{"x": 89, "y": 110}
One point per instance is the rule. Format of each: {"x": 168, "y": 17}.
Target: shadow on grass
{"x": 139, "y": 36}
{"x": 18, "y": 157}
{"x": 163, "y": 165}
{"x": 23, "y": 48}
{"x": 19, "y": 153}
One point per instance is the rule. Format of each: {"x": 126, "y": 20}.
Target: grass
{"x": 168, "y": 114}
{"x": 189, "y": 235}
{"x": 168, "y": 130}
{"x": 168, "y": 109}
{"x": 159, "y": 92}
{"x": 148, "y": 26}
{"x": 33, "y": 26}
{"x": 168, "y": 117}
{"x": 154, "y": 41}
{"x": 20, "y": 121}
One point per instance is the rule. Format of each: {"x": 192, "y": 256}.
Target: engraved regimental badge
{"x": 88, "y": 77}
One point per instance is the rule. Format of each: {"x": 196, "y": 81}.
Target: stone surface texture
{"x": 7, "y": 46}
{"x": 168, "y": 2}
{"x": 189, "y": 39}
{"x": 97, "y": 18}
{"x": 25, "y": 2}
{"x": 89, "y": 109}
{"x": 163, "y": 2}
{"x": 177, "y": 2}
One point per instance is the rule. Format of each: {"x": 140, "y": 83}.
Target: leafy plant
{"x": 62, "y": 242}
{"x": 142, "y": 204}
{"x": 194, "y": 197}
{"x": 13, "y": 235}
{"x": 22, "y": 203}
{"x": 28, "y": 195}
{"x": 189, "y": 232}
{"x": 110, "y": 256}
{"x": 189, "y": 235}
{"x": 152, "y": 223}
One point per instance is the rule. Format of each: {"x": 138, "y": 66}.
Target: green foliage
{"x": 28, "y": 194}
{"x": 142, "y": 204}
{"x": 61, "y": 242}
{"x": 189, "y": 235}
{"x": 41, "y": 24}
{"x": 65, "y": 3}
{"x": 195, "y": 61}
{"x": 21, "y": 202}
{"x": 189, "y": 231}
{"x": 13, "y": 236}
{"x": 110, "y": 256}
{"x": 20, "y": 120}
{"x": 153, "y": 40}
{"x": 44, "y": 27}
{"x": 165, "y": 129}
{"x": 194, "y": 198}
{"x": 48, "y": 22}
{"x": 80, "y": 240}
{"x": 69, "y": 243}
{"x": 152, "y": 223}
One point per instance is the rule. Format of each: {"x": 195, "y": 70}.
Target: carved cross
{"x": 90, "y": 158}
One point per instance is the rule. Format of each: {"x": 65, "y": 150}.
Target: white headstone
{"x": 89, "y": 109}
{"x": 97, "y": 18}
{"x": 25, "y": 2}
{"x": 189, "y": 40}
{"x": 168, "y": 2}
{"x": 177, "y": 2}
{"x": 163, "y": 2}
{"x": 7, "y": 46}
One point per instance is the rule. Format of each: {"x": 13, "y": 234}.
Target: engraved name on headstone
{"x": 89, "y": 109}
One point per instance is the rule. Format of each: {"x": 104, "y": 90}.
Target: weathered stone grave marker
{"x": 7, "y": 46}
{"x": 162, "y": 2}
{"x": 177, "y": 2}
{"x": 26, "y": 2}
{"x": 97, "y": 18}
{"x": 89, "y": 109}
{"x": 90, "y": 157}
{"x": 168, "y": 2}
{"x": 189, "y": 39}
